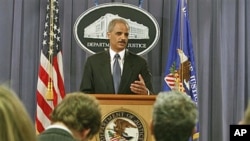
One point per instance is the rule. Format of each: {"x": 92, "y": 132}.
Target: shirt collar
{"x": 121, "y": 53}
{"x": 60, "y": 127}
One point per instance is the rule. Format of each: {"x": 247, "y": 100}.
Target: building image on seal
{"x": 98, "y": 29}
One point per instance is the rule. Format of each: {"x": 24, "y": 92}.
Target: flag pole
{"x": 181, "y": 41}
{"x": 179, "y": 77}
{"x": 181, "y": 24}
{"x": 49, "y": 94}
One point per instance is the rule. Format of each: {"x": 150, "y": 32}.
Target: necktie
{"x": 116, "y": 72}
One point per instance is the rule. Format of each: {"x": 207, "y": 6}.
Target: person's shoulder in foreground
{"x": 76, "y": 117}
{"x": 15, "y": 123}
{"x": 174, "y": 116}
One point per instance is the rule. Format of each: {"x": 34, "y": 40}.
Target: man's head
{"x": 80, "y": 113}
{"x": 174, "y": 116}
{"x": 118, "y": 32}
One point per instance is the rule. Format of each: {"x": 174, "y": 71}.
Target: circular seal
{"x": 122, "y": 125}
{"x": 90, "y": 29}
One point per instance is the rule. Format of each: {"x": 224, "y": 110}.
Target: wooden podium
{"x": 141, "y": 105}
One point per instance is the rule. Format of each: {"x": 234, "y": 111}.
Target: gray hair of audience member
{"x": 15, "y": 122}
{"x": 113, "y": 22}
{"x": 78, "y": 111}
{"x": 174, "y": 116}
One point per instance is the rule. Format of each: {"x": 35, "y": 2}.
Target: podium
{"x": 139, "y": 105}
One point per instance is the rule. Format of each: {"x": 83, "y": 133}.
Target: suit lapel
{"x": 106, "y": 71}
{"x": 127, "y": 72}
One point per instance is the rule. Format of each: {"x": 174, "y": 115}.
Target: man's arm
{"x": 86, "y": 84}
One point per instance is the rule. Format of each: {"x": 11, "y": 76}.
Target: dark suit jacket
{"x": 55, "y": 134}
{"x": 97, "y": 77}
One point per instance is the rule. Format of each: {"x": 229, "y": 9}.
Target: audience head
{"x": 80, "y": 113}
{"x": 246, "y": 118}
{"x": 174, "y": 116}
{"x": 15, "y": 123}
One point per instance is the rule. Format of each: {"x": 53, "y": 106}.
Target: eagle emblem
{"x": 119, "y": 128}
{"x": 122, "y": 125}
{"x": 178, "y": 78}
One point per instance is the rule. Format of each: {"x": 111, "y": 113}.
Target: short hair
{"x": 78, "y": 111}
{"x": 174, "y": 116}
{"x": 15, "y": 122}
{"x": 113, "y": 22}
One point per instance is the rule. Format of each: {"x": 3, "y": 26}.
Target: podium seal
{"x": 122, "y": 125}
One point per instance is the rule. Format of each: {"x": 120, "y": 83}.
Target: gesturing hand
{"x": 139, "y": 87}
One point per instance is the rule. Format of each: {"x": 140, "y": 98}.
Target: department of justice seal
{"x": 122, "y": 125}
{"x": 90, "y": 29}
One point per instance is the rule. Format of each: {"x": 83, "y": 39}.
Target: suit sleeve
{"x": 87, "y": 79}
{"x": 147, "y": 76}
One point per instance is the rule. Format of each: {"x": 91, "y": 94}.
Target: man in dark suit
{"x": 98, "y": 71}
{"x": 76, "y": 118}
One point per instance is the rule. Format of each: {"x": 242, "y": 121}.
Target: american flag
{"x": 50, "y": 84}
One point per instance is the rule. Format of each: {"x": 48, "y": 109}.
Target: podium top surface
{"x": 125, "y": 99}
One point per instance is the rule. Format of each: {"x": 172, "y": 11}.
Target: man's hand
{"x": 139, "y": 87}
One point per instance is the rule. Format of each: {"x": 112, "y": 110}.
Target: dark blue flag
{"x": 180, "y": 71}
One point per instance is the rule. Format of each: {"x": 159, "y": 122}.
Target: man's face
{"x": 118, "y": 37}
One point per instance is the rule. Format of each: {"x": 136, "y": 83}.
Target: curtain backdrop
{"x": 220, "y": 32}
